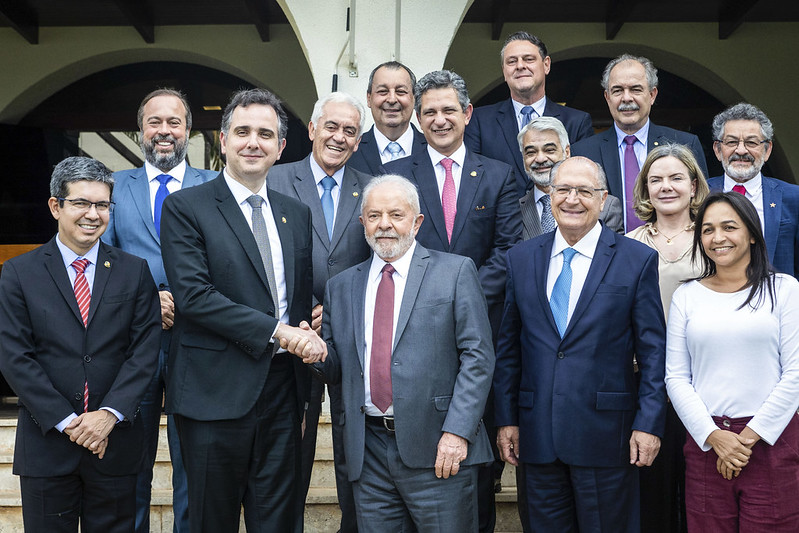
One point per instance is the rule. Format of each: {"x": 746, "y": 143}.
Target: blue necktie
{"x": 160, "y": 194}
{"x": 527, "y": 115}
{"x": 559, "y": 301}
{"x": 394, "y": 149}
{"x": 327, "y": 204}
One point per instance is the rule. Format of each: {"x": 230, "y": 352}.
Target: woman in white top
{"x": 732, "y": 373}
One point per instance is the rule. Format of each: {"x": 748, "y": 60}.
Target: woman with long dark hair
{"x": 732, "y": 373}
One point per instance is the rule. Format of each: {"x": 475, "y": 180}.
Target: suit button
{"x": 361, "y": 374}
{"x": 363, "y": 409}
{"x": 78, "y": 396}
{"x": 161, "y": 286}
{"x": 87, "y": 358}
{"x": 726, "y": 423}
{"x": 561, "y": 355}
{"x": 331, "y": 262}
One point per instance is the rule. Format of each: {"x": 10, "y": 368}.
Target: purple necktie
{"x": 382, "y": 336}
{"x": 630, "y": 175}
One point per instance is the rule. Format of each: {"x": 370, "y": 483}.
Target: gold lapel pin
{"x": 283, "y": 219}
{"x": 107, "y": 264}
{"x": 474, "y": 173}
{"x": 656, "y": 143}
{"x": 355, "y": 194}
{"x": 773, "y": 204}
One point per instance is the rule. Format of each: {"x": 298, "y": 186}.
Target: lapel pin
{"x": 773, "y": 204}
{"x": 656, "y": 143}
{"x": 474, "y": 173}
{"x": 355, "y": 194}
{"x": 107, "y": 264}
{"x": 283, "y": 219}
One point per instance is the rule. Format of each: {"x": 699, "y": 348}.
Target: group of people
{"x": 464, "y": 292}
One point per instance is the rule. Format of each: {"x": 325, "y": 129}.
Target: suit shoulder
{"x": 401, "y": 166}
{"x": 119, "y": 255}
{"x": 631, "y": 246}
{"x": 486, "y": 111}
{"x": 205, "y": 175}
{"x": 682, "y": 137}
{"x": 786, "y": 188}
{"x": 289, "y": 202}
{"x": 496, "y": 164}
{"x": 587, "y": 145}
{"x": 572, "y": 113}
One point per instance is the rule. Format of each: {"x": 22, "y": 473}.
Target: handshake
{"x": 302, "y": 341}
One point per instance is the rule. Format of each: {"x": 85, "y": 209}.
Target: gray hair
{"x": 649, "y": 68}
{"x": 600, "y": 174}
{"x": 338, "y": 98}
{"x": 77, "y": 168}
{"x": 390, "y": 65}
{"x": 545, "y": 124}
{"x": 742, "y": 111}
{"x": 524, "y": 36}
{"x": 247, "y": 97}
{"x": 404, "y": 184}
{"x": 441, "y": 79}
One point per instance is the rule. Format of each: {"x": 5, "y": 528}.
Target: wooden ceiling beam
{"x": 260, "y": 14}
{"x": 138, "y": 14}
{"x": 618, "y": 13}
{"x": 22, "y": 18}
{"x": 499, "y": 13}
{"x": 732, "y": 14}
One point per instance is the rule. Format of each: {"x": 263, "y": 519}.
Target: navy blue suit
{"x": 781, "y": 217}
{"x": 493, "y": 129}
{"x": 367, "y": 159}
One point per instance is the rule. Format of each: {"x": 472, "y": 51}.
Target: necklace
{"x": 670, "y": 240}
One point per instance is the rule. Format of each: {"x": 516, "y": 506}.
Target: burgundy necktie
{"x": 84, "y": 298}
{"x": 630, "y": 175}
{"x": 382, "y": 337}
{"x": 740, "y": 189}
{"x": 449, "y": 200}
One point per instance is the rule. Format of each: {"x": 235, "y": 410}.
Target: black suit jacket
{"x": 367, "y": 159}
{"x": 46, "y": 354}
{"x": 493, "y": 129}
{"x": 218, "y": 361}
{"x": 603, "y": 150}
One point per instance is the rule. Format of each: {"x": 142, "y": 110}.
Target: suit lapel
{"x": 348, "y": 202}
{"x": 305, "y": 187}
{"x": 282, "y": 220}
{"x": 101, "y": 275}
{"x": 425, "y": 177}
{"x": 771, "y": 215}
{"x": 530, "y": 218}
{"x": 412, "y": 284}
{"x": 605, "y": 250}
{"x": 190, "y": 178}
{"x": 609, "y": 152}
{"x": 506, "y": 117}
{"x": 139, "y": 188}
{"x": 54, "y": 264}
{"x": 368, "y": 146}
{"x": 541, "y": 257}
{"x": 358, "y": 301}
{"x": 471, "y": 174}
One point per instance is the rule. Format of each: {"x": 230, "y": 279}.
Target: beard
{"x": 742, "y": 174}
{"x": 165, "y": 161}
{"x": 540, "y": 174}
{"x": 392, "y": 250}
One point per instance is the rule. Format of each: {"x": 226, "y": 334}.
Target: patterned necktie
{"x": 630, "y": 175}
{"x": 382, "y": 337}
{"x": 84, "y": 297}
{"x": 740, "y": 189}
{"x": 328, "y": 183}
{"x": 449, "y": 200}
{"x": 527, "y": 115}
{"x": 262, "y": 240}
{"x": 547, "y": 220}
{"x": 559, "y": 300}
{"x": 395, "y": 150}
{"x": 160, "y": 195}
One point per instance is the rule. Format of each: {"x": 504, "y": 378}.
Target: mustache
{"x": 168, "y": 137}
{"x": 742, "y": 157}
{"x": 629, "y": 107}
{"x": 541, "y": 166}
{"x": 389, "y": 234}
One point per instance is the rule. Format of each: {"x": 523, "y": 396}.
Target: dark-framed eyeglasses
{"x": 82, "y": 204}
{"x": 750, "y": 144}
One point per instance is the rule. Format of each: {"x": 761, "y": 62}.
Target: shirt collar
{"x": 537, "y": 106}
{"x": 753, "y": 186}
{"x": 458, "y": 156}
{"x": 319, "y": 174}
{"x": 177, "y": 173}
{"x": 69, "y": 256}
{"x": 401, "y": 265}
{"x": 585, "y": 246}
{"x": 642, "y": 135}
{"x": 240, "y": 192}
{"x": 405, "y": 140}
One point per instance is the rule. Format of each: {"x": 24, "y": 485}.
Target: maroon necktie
{"x": 740, "y": 189}
{"x": 382, "y": 336}
{"x": 630, "y": 175}
{"x": 84, "y": 298}
{"x": 449, "y": 199}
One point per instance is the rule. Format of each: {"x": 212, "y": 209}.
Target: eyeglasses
{"x": 583, "y": 192}
{"x": 750, "y": 144}
{"x": 84, "y": 205}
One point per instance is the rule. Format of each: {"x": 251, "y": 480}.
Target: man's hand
{"x": 302, "y": 342}
{"x": 100, "y": 451}
{"x": 316, "y": 319}
{"x": 508, "y": 444}
{"x": 733, "y": 450}
{"x": 167, "y": 309}
{"x": 644, "y": 447}
{"x": 452, "y": 450}
{"x": 91, "y": 429}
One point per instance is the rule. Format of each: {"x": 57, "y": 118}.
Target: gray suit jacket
{"x": 443, "y": 360}
{"x": 611, "y": 215}
{"x": 348, "y": 246}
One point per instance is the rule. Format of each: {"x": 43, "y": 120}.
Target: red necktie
{"x": 84, "y": 298}
{"x": 382, "y": 336}
{"x": 449, "y": 199}
{"x": 740, "y": 189}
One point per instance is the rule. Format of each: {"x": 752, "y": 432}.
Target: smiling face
{"x": 164, "y": 132}
{"x": 443, "y": 120}
{"x": 251, "y": 144}
{"x": 725, "y": 238}
{"x": 389, "y": 222}
{"x": 336, "y": 136}
{"x": 541, "y": 150}
{"x": 80, "y": 229}
{"x": 629, "y": 97}
{"x": 391, "y": 100}
{"x": 670, "y": 186}
{"x": 525, "y": 71}
{"x": 574, "y": 214}
{"x": 742, "y": 163}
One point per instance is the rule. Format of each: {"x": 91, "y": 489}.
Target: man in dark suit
{"x": 409, "y": 340}
{"x": 164, "y": 121}
{"x": 471, "y": 207}
{"x": 493, "y": 128}
{"x": 631, "y": 86}
{"x": 325, "y": 182}
{"x": 389, "y": 96}
{"x": 544, "y": 142}
{"x": 581, "y": 302}
{"x": 79, "y": 336}
{"x": 743, "y": 137}
{"x": 238, "y": 260}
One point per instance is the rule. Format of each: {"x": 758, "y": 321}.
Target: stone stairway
{"x": 321, "y": 510}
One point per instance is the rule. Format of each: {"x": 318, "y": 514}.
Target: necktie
{"x": 262, "y": 240}
{"x": 559, "y": 300}
{"x": 527, "y": 115}
{"x": 449, "y": 199}
{"x": 84, "y": 297}
{"x": 327, "y": 203}
{"x": 160, "y": 195}
{"x": 547, "y": 220}
{"x": 740, "y": 189}
{"x": 630, "y": 175}
{"x": 382, "y": 333}
{"x": 395, "y": 150}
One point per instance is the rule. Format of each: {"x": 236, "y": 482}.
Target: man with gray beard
{"x": 164, "y": 121}
{"x": 742, "y": 141}
{"x": 544, "y": 142}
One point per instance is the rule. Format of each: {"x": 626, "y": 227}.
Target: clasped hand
{"x": 91, "y": 430}
{"x": 302, "y": 341}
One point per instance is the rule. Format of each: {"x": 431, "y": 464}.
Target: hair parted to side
{"x": 78, "y": 168}
{"x": 339, "y": 98}
{"x": 441, "y": 79}
{"x": 247, "y": 97}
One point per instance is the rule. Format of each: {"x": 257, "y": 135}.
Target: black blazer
{"x": 46, "y": 354}
{"x": 367, "y": 159}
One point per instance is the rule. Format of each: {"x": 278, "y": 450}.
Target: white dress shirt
{"x": 400, "y": 277}
{"x": 172, "y": 185}
{"x": 754, "y": 192}
{"x": 581, "y": 262}
{"x": 537, "y": 106}
{"x": 457, "y": 167}
{"x": 405, "y": 141}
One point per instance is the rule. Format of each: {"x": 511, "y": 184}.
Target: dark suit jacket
{"x": 367, "y": 159}
{"x": 576, "y": 398}
{"x": 46, "y": 354}
{"x": 493, "y": 130}
{"x": 611, "y": 216}
{"x": 442, "y": 358}
{"x": 225, "y": 315}
{"x": 781, "y": 217}
{"x": 602, "y": 149}
{"x": 348, "y": 246}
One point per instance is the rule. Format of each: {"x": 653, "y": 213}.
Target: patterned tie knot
{"x": 568, "y": 255}
{"x": 328, "y": 182}
{"x": 630, "y": 140}
{"x": 163, "y": 179}
{"x": 80, "y": 265}
{"x": 388, "y": 268}
{"x": 740, "y": 189}
{"x": 544, "y": 200}
{"x": 255, "y": 201}
{"x": 394, "y": 149}
{"x": 447, "y": 164}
